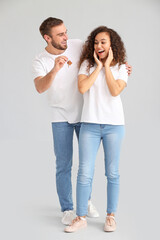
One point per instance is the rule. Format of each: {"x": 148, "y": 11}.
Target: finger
{"x": 61, "y": 61}
{"x": 111, "y": 49}
{"x": 62, "y": 57}
{"x": 110, "y": 52}
{"x": 126, "y": 64}
{"x": 129, "y": 73}
{"x": 65, "y": 58}
{"x": 129, "y": 68}
{"x": 95, "y": 55}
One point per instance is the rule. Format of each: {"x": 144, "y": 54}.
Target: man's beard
{"x": 58, "y": 46}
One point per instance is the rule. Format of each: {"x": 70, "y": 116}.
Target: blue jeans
{"x": 63, "y": 149}
{"x": 89, "y": 141}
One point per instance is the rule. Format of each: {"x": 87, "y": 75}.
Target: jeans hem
{"x": 81, "y": 215}
{"x": 67, "y": 209}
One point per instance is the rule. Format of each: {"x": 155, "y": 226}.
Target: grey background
{"x": 29, "y": 207}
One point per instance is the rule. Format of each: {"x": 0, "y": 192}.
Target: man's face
{"x": 58, "y": 37}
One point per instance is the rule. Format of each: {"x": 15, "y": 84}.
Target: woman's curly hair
{"x": 119, "y": 52}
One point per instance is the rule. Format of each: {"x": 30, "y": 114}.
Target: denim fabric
{"x": 63, "y": 148}
{"x": 90, "y": 138}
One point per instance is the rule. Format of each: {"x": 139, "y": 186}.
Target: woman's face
{"x": 102, "y": 44}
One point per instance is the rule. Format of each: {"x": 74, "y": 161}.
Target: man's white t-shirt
{"x": 99, "y": 105}
{"x": 63, "y": 95}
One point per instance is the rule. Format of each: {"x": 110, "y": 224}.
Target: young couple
{"x": 84, "y": 83}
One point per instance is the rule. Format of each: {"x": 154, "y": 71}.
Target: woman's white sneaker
{"x": 92, "y": 211}
{"x": 68, "y": 216}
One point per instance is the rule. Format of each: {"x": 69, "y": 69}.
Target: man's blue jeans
{"x": 90, "y": 138}
{"x": 63, "y": 148}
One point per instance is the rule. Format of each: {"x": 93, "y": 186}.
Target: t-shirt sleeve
{"x": 123, "y": 75}
{"x": 37, "y": 68}
{"x": 84, "y": 68}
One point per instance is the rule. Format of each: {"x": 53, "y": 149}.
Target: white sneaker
{"x": 92, "y": 211}
{"x": 68, "y": 216}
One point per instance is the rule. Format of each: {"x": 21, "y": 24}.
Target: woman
{"x": 102, "y": 77}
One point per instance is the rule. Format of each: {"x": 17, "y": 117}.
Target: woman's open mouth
{"x": 100, "y": 52}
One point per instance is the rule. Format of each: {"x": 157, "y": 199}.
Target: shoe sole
{"x": 92, "y": 216}
{"x": 105, "y": 230}
{"x": 74, "y": 230}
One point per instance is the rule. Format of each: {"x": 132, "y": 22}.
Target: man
{"x": 55, "y": 71}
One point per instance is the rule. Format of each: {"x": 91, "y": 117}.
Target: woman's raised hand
{"x": 109, "y": 58}
{"x": 99, "y": 63}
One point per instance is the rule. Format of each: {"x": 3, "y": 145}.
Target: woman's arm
{"x": 85, "y": 82}
{"x": 115, "y": 86}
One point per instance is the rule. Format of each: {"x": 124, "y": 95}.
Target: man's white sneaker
{"x": 92, "y": 211}
{"x": 68, "y": 216}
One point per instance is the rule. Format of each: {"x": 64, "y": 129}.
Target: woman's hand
{"x": 109, "y": 58}
{"x": 99, "y": 63}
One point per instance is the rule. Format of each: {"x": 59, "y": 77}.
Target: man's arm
{"x": 43, "y": 83}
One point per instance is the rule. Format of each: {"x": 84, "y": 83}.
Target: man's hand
{"x": 59, "y": 62}
{"x": 129, "y": 68}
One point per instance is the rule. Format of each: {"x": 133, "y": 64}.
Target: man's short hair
{"x": 47, "y": 24}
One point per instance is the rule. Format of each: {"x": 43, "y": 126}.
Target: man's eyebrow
{"x": 62, "y": 33}
{"x": 59, "y": 33}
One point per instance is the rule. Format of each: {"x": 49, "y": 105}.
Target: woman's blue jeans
{"x": 90, "y": 138}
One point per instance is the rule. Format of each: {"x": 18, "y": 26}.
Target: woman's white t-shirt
{"x": 99, "y": 105}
